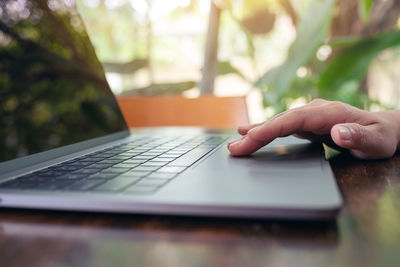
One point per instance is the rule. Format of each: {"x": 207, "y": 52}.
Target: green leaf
{"x": 352, "y": 64}
{"x": 225, "y": 67}
{"x": 349, "y": 93}
{"x": 340, "y": 42}
{"x": 311, "y": 32}
{"x": 364, "y": 8}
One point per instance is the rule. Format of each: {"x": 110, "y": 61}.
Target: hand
{"x": 367, "y": 135}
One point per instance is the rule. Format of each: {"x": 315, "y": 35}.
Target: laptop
{"x": 64, "y": 144}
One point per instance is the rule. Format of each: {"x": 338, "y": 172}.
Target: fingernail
{"x": 235, "y": 143}
{"x": 345, "y": 133}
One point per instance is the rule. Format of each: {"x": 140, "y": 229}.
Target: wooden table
{"x": 366, "y": 233}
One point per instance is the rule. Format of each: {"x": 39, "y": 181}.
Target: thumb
{"x": 366, "y": 142}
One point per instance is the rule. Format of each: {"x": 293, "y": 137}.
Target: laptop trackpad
{"x": 282, "y": 173}
{"x": 282, "y": 155}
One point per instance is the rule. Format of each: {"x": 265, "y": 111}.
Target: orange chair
{"x": 206, "y": 111}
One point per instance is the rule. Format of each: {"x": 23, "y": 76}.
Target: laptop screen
{"x": 53, "y": 90}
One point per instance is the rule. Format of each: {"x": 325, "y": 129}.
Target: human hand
{"x": 367, "y": 135}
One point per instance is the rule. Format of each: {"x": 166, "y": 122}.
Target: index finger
{"x": 318, "y": 120}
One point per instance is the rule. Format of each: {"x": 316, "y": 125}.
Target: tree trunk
{"x": 384, "y": 16}
{"x": 149, "y": 44}
{"x": 210, "y": 67}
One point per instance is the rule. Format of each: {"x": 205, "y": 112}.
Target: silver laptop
{"x": 64, "y": 144}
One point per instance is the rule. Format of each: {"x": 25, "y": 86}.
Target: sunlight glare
{"x": 140, "y": 6}
{"x": 204, "y": 7}
{"x": 91, "y": 3}
{"x": 302, "y": 72}
{"x": 161, "y": 8}
{"x": 110, "y": 4}
{"x": 324, "y": 52}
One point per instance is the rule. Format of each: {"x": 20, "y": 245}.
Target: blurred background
{"x": 278, "y": 53}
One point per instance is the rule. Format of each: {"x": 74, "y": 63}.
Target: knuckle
{"x": 297, "y": 113}
{"x": 341, "y": 107}
{"x": 336, "y": 104}
{"x": 318, "y": 101}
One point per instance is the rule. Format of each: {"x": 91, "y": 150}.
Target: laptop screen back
{"x": 53, "y": 90}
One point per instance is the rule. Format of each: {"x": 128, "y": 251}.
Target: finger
{"x": 244, "y": 129}
{"x": 245, "y": 146}
{"x": 311, "y": 119}
{"x": 364, "y": 142}
{"x": 317, "y": 119}
{"x": 234, "y": 141}
{"x": 262, "y": 135}
{"x": 254, "y": 140}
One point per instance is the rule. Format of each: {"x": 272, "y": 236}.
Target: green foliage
{"x": 365, "y": 7}
{"x": 341, "y": 77}
{"x": 311, "y": 33}
{"x": 225, "y": 67}
{"x": 352, "y": 64}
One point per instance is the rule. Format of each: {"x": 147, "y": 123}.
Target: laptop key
{"x": 73, "y": 176}
{"x": 80, "y": 164}
{"x": 146, "y": 168}
{"x": 118, "y": 170}
{"x": 84, "y": 185}
{"x": 87, "y": 171}
{"x": 168, "y": 169}
{"x": 143, "y": 157}
{"x": 108, "y": 154}
{"x": 172, "y": 155}
{"x": 134, "y": 174}
{"x": 121, "y": 157}
{"x": 161, "y": 175}
{"x": 168, "y": 156}
{"x": 102, "y": 175}
{"x": 130, "y": 154}
{"x": 191, "y": 157}
{"x": 138, "y": 150}
{"x": 35, "y": 179}
{"x": 116, "y": 184}
{"x": 53, "y": 185}
{"x": 50, "y": 173}
{"x": 126, "y": 165}
{"x": 151, "y": 153}
{"x": 166, "y": 159}
{"x": 67, "y": 168}
{"x": 159, "y": 150}
{"x": 90, "y": 159}
{"x": 101, "y": 165}
{"x": 134, "y": 161}
{"x": 111, "y": 161}
{"x": 154, "y": 163}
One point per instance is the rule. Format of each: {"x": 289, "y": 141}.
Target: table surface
{"x": 366, "y": 232}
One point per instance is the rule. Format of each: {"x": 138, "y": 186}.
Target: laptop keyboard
{"x": 141, "y": 166}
